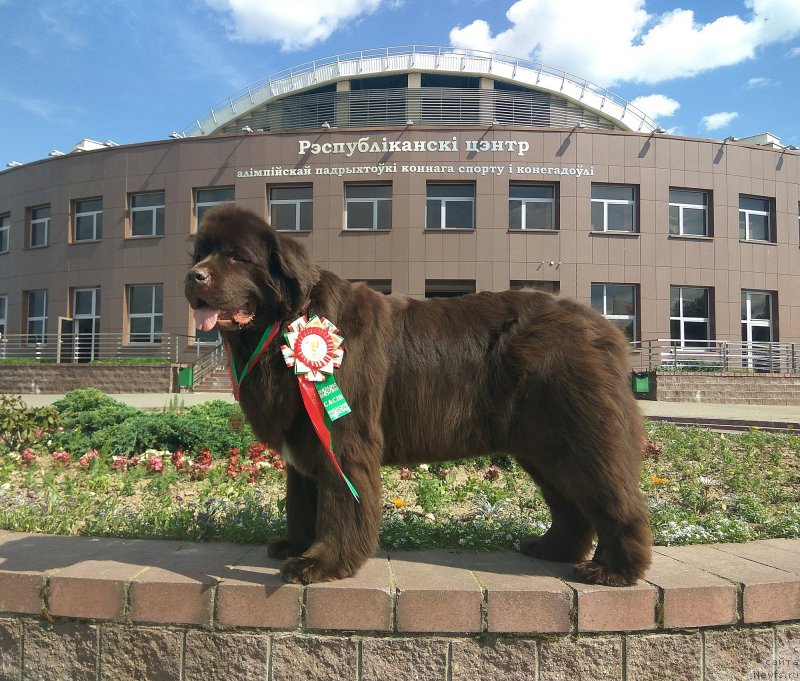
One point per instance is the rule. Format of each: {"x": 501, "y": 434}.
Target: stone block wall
{"x": 777, "y": 389}
{"x": 110, "y": 378}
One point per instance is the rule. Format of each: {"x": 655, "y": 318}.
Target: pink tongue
{"x": 205, "y": 318}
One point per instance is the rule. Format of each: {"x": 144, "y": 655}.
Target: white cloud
{"x": 718, "y": 120}
{"x": 761, "y": 82}
{"x": 296, "y": 24}
{"x": 656, "y": 106}
{"x": 617, "y": 40}
{"x": 794, "y": 52}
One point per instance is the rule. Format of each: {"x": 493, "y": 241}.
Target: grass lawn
{"x": 71, "y": 470}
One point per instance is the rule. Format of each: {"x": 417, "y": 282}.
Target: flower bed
{"x": 93, "y": 466}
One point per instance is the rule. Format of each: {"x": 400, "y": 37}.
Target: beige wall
{"x": 407, "y": 254}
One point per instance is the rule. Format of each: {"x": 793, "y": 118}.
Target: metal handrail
{"x": 670, "y": 354}
{"x": 78, "y": 347}
{"x": 207, "y": 363}
{"x": 402, "y": 58}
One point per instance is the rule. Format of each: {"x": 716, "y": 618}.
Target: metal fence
{"x": 667, "y": 354}
{"x": 77, "y": 348}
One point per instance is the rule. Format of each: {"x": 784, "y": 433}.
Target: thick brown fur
{"x": 542, "y": 378}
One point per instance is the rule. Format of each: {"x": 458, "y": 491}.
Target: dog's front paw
{"x": 304, "y": 570}
{"x": 592, "y": 572}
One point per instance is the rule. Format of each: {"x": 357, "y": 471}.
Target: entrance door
{"x": 86, "y": 317}
{"x": 757, "y": 332}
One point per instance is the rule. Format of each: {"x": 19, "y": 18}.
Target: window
{"x": 5, "y": 231}
{"x": 690, "y": 315}
{"x": 532, "y": 285}
{"x": 291, "y": 208}
{"x": 450, "y": 206}
{"x": 3, "y": 312}
{"x": 613, "y": 208}
{"x": 448, "y": 288}
{"x": 368, "y": 206}
{"x": 380, "y": 285}
{"x": 145, "y": 313}
{"x": 39, "y": 226}
{"x": 206, "y": 199}
{"x": 86, "y": 323}
{"x": 147, "y": 214}
{"x": 88, "y": 225}
{"x": 531, "y": 206}
{"x": 754, "y": 218}
{"x": 688, "y": 213}
{"x": 37, "y": 317}
{"x": 617, "y": 303}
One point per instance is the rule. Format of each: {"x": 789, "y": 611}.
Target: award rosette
{"x": 313, "y": 349}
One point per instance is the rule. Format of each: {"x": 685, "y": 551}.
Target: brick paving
{"x": 224, "y": 585}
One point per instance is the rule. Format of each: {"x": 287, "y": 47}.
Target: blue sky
{"x": 135, "y": 71}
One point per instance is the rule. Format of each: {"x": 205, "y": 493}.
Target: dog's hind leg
{"x": 301, "y": 516}
{"x": 570, "y": 535}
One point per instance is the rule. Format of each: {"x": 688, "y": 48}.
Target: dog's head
{"x": 244, "y": 273}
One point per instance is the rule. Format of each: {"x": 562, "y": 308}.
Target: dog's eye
{"x": 238, "y": 258}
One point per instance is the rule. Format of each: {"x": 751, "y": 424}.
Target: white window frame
{"x": 39, "y": 319}
{"x": 5, "y": 233}
{"x": 152, "y": 315}
{"x": 3, "y": 315}
{"x": 444, "y": 200}
{"x": 37, "y": 222}
{"x": 682, "y": 319}
{"x": 617, "y": 202}
{"x": 152, "y": 210}
{"x": 374, "y": 201}
{"x": 691, "y": 206}
{"x": 523, "y": 208}
{"x": 747, "y": 212}
{"x": 292, "y": 202}
{"x": 95, "y": 215}
{"x": 621, "y": 317}
{"x": 201, "y": 206}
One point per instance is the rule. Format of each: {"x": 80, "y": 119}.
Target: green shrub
{"x": 84, "y": 413}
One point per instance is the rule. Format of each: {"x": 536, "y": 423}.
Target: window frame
{"x": 706, "y": 208}
{"x": 612, "y": 317}
{"x": 33, "y": 223}
{"x": 152, "y": 315}
{"x": 5, "y": 233}
{"x": 633, "y": 203}
{"x": 206, "y": 205}
{"x": 768, "y": 213}
{"x": 153, "y": 210}
{"x": 525, "y": 200}
{"x": 297, "y": 203}
{"x": 444, "y": 200}
{"x": 40, "y": 319}
{"x": 682, "y": 319}
{"x": 97, "y": 219}
{"x": 373, "y": 201}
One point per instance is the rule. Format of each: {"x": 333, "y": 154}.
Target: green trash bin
{"x": 186, "y": 377}
{"x": 643, "y": 384}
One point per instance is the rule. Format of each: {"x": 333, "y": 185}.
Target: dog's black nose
{"x": 197, "y": 274}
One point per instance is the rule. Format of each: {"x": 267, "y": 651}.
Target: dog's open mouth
{"x": 206, "y": 317}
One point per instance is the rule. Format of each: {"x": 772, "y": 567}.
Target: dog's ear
{"x": 298, "y": 271}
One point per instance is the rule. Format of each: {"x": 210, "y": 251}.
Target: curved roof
{"x": 600, "y": 102}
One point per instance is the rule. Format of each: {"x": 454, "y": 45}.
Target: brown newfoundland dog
{"x": 524, "y": 373}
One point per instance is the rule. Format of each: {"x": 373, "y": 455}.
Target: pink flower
{"x": 492, "y": 473}
{"x": 120, "y": 462}
{"x": 155, "y": 463}
{"x": 61, "y": 458}
{"x": 28, "y": 457}
{"x": 86, "y": 459}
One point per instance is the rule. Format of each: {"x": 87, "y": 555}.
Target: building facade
{"x": 422, "y": 178}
